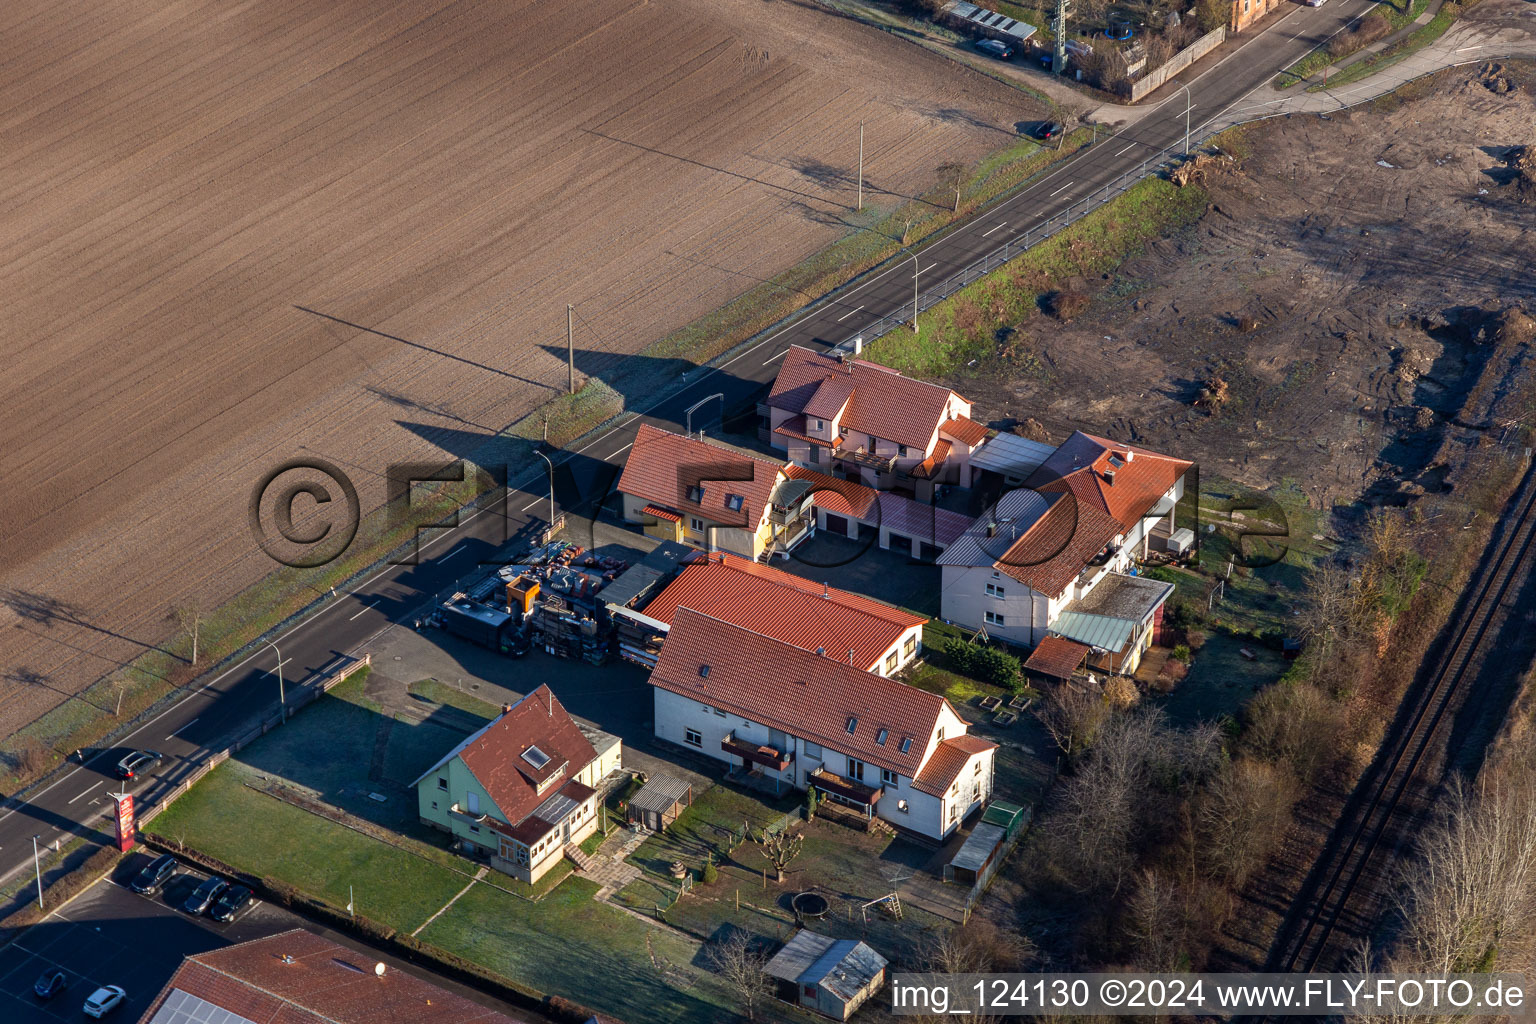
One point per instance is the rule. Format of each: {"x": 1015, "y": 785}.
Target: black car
{"x": 231, "y": 903}
{"x": 154, "y": 876}
{"x": 138, "y": 761}
{"x": 203, "y": 896}
{"x": 50, "y": 984}
{"x": 1048, "y": 129}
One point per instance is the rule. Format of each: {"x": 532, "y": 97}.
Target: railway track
{"x": 1353, "y": 849}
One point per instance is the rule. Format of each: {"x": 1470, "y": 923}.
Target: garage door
{"x": 837, "y": 525}
{"x": 901, "y": 545}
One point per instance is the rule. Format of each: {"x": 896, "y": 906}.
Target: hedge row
{"x": 988, "y": 664}
{"x": 64, "y": 888}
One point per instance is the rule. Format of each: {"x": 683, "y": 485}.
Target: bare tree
{"x": 741, "y": 965}
{"x": 779, "y": 849}
{"x": 978, "y": 946}
{"x": 1073, "y": 717}
{"x": 1242, "y": 815}
{"x": 190, "y": 615}
{"x": 1157, "y": 922}
{"x": 1298, "y": 725}
{"x": 952, "y": 177}
{"x": 120, "y": 686}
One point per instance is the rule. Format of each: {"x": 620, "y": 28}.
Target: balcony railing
{"x": 848, "y": 789}
{"x": 768, "y": 757}
{"x": 866, "y": 459}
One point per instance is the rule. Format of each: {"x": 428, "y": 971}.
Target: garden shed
{"x": 830, "y": 976}
{"x": 659, "y": 802}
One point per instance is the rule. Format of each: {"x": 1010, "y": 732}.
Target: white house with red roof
{"x": 863, "y": 421}
{"x": 868, "y": 634}
{"x": 713, "y": 496}
{"x": 522, "y": 790}
{"x": 1054, "y": 558}
{"x": 805, "y": 719}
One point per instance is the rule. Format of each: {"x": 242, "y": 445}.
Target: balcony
{"x": 865, "y": 459}
{"x": 848, "y": 789}
{"x": 755, "y": 753}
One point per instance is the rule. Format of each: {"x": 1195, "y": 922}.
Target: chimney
{"x": 1109, "y": 476}
{"x": 506, "y": 709}
{"x": 826, "y": 592}
{"x": 841, "y": 358}
{"x": 850, "y": 657}
{"x": 821, "y": 651}
{"x": 991, "y": 529}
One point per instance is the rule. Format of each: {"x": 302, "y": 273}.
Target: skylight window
{"x": 696, "y": 494}
{"x": 906, "y": 744}
{"x": 1115, "y": 462}
{"x": 853, "y": 723}
{"x": 881, "y": 735}
{"x": 536, "y": 757}
{"x": 703, "y": 671}
{"x": 734, "y": 502}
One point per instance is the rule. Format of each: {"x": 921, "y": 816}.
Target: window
{"x": 706, "y": 707}
{"x": 890, "y": 661}
{"x": 442, "y": 783}
{"x": 696, "y": 494}
{"x": 881, "y": 735}
{"x": 906, "y": 744}
{"x": 994, "y": 590}
{"x": 812, "y": 749}
{"x": 853, "y": 723}
{"x": 475, "y": 829}
{"x": 952, "y": 814}
{"x": 996, "y": 575}
{"x": 696, "y": 525}
{"x": 719, "y": 713}
{"x": 855, "y": 769}
{"x": 434, "y": 805}
{"x": 977, "y": 769}
{"x": 820, "y": 425}
{"x": 810, "y": 991}
{"x": 901, "y": 805}
{"x": 536, "y": 757}
{"x": 472, "y": 801}
{"x": 910, "y": 647}
{"x": 693, "y": 738}
{"x": 954, "y": 790}
{"x": 994, "y": 619}
{"x": 941, "y": 735}
{"x": 734, "y": 502}
{"x": 889, "y": 777}
{"x": 901, "y": 450}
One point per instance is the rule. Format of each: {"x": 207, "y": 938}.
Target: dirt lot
{"x": 1368, "y": 287}
{"x": 179, "y": 180}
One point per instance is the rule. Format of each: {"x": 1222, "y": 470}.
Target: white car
{"x": 104, "y": 1000}
{"x": 1314, "y": 3}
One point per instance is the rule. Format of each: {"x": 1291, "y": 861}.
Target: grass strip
{"x": 1322, "y": 56}
{"x": 1420, "y": 38}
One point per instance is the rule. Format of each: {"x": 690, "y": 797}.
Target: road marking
{"x": 86, "y": 793}
{"x": 840, "y": 319}
{"x": 781, "y": 355}
{"x": 183, "y": 726}
{"x": 1478, "y": 46}
{"x": 1127, "y": 149}
{"x": 365, "y": 608}
{"x": 530, "y": 505}
{"x": 1064, "y": 187}
{"x": 631, "y": 444}
{"x": 999, "y": 227}
{"x": 455, "y": 551}
{"x": 927, "y": 268}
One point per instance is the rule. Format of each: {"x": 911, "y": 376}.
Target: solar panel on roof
{"x": 536, "y": 757}
{"x": 184, "y": 1008}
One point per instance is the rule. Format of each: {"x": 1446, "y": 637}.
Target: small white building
{"x": 803, "y": 719}
{"x": 1086, "y": 513}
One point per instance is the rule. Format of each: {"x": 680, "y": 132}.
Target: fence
{"x": 987, "y": 872}
{"x": 1178, "y": 62}
{"x": 301, "y": 697}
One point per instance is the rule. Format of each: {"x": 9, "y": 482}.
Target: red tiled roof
{"x": 788, "y": 608}
{"x": 1057, "y": 656}
{"x": 941, "y": 450}
{"x": 495, "y": 755}
{"x": 883, "y": 403}
{"x": 838, "y": 496}
{"x": 1082, "y": 462}
{"x": 322, "y": 982}
{"x": 799, "y": 692}
{"x": 662, "y": 467}
{"x": 1056, "y": 547}
{"x": 965, "y": 430}
{"x": 948, "y": 761}
{"x": 661, "y": 513}
{"x": 795, "y": 427}
{"x": 830, "y": 396}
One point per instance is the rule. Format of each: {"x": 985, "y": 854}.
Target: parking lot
{"x": 113, "y": 936}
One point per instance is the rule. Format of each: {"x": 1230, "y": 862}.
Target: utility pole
{"x": 1059, "y": 27}
{"x": 861, "y": 165}
{"x": 570, "y": 349}
{"x": 39, "y": 866}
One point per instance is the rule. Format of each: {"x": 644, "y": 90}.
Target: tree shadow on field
{"x": 48, "y": 612}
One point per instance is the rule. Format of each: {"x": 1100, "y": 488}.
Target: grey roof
{"x": 481, "y": 613}
{"x": 841, "y": 966}
{"x": 1011, "y": 455}
{"x": 660, "y": 793}
{"x": 650, "y": 574}
{"x": 1101, "y": 631}
{"x": 991, "y": 19}
{"x": 1014, "y": 513}
{"x": 184, "y": 1008}
{"x": 1119, "y": 596}
{"x": 978, "y": 846}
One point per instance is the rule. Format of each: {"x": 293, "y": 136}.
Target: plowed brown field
{"x": 177, "y": 177}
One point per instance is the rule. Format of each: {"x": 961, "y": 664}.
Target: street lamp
{"x": 688, "y": 413}
{"x": 551, "y": 486}
{"x": 282, "y": 697}
{"x": 1188, "y": 106}
{"x": 39, "y": 866}
{"x": 914, "y": 293}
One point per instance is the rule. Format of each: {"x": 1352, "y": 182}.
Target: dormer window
{"x": 696, "y": 494}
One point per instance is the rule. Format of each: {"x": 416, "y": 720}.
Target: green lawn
{"x": 702, "y": 829}
{"x": 1321, "y": 57}
{"x": 1417, "y": 40}
{"x": 441, "y": 693}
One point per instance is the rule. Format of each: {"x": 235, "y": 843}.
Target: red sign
{"x": 125, "y": 829}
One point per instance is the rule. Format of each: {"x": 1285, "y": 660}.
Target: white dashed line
{"x": 840, "y": 319}
{"x": 997, "y": 227}
{"x": 1064, "y": 187}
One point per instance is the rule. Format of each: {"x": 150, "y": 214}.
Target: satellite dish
{"x": 379, "y": 969}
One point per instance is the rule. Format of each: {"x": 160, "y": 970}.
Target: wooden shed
{"x": 659, "y": 802}
{"x": 832, "y": 977}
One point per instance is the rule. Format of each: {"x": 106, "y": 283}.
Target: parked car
{"x": 104, "y": 1000}
{"x": 1315, "y": 3}
{"x": 138, "y": 761}
{"x": 1048, "y": 129}
{"x": 231, "y": 903}
{"x": 993, "y": 48}
{"x": 203, "y": 896}
{"x": 156, "y": 874}
{"x": 50, "y": 984}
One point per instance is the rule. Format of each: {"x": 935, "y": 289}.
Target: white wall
{"x": 964, "y": 599}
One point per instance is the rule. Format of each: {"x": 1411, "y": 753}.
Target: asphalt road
{"x": 112, "y": 936}
{"x": 232, "y": 701}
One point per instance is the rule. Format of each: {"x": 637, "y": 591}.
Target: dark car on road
{"x": 231, "y": 903}
{"x": 50, "y": 984}
{"x": 154, "y": 876}
{"x": 138, "y": 761}
{"x": 203, "y": 896}
{"x": 1048, "y": 129}
{"x": 993, "y": 48}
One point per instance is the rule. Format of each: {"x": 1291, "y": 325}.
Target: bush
{"x": 1180, "y": 653}
{"x": 565, "y": 1011}
{"x": 65, "y": 888}
{"x": 1067, "y": 305}
{"x": 1172, "y": 675}
{"x": 711, "y": 874}
{"x": 987, "y": 664}
{"x": 1195, "y": 638}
